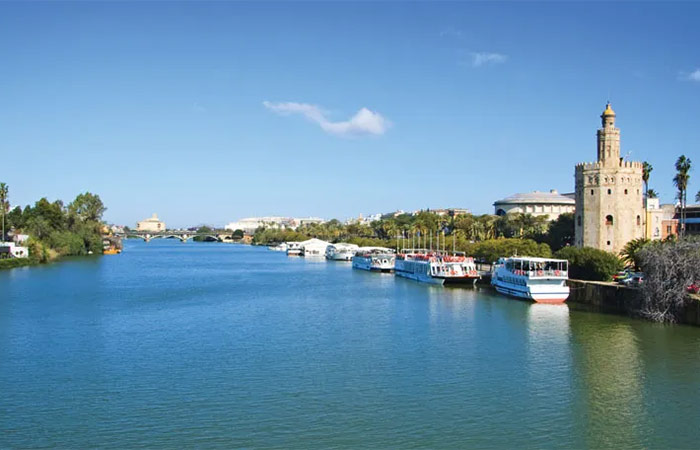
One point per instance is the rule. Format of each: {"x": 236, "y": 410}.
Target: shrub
{"x": 669, "y": 268}
{"x": 589, "y": 263}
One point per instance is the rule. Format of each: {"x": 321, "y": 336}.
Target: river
{"x": 218, "y": 345}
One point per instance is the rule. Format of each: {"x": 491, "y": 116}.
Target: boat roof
{"x": 374, "y": 248}
{"x": 535, "y": 259}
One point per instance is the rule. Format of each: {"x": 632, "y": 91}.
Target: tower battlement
{"x": 598, "y": 165}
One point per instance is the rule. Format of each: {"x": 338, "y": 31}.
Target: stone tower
{"x": 609, "y": 201}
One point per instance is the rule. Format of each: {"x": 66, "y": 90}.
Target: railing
{"x": 542, "y": 273}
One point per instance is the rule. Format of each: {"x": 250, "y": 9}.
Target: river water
{"x": 216, "y": 345}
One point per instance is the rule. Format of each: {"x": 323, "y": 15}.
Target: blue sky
{"x": 207, "y": 112}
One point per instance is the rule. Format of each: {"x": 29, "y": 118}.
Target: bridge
{"x": 182, "y": 235}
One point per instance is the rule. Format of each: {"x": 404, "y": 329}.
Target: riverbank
{"x": 615, "y": 298}
{"x": 16, "y": 262}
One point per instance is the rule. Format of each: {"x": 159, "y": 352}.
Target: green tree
{"x": 646, "y": 172}
{"x": 4, "y": 206}
{"x": 630, "y": 254}
{"x": 590, "y": 263}
{"x": 561, "y": 232}
{"x": 87, "y": 207}
{"x": 652, "y": 194}
{"x": 680, "y": 180}
{"x": 237, "y": 234}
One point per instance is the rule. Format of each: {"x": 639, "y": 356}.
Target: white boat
{"x": 278, "y": 248}
{"x": 294, "y": 249}
{"x": 542, "y": 280}
{"x": 379, "y": 259}
{"x": 436, "y": 267}
{"x": 314, "y": 248}
{"x": 341, "y": 251}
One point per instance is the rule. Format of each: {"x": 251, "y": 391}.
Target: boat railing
{"x": 542, "y": 273}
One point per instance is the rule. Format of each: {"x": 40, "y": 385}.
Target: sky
{"x": 206, "y": 112}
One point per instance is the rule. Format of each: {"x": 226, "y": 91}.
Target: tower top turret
{"x": 608, "y": 117}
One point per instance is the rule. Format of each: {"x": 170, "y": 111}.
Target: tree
{"x": 87, "y": 207}
{"x": 680, "y": 180}
{"x": 646, "y": 171}
{"x": 652, "y": 194}
{"x": 697, "y": 197}
{"x": 561, "y": 232}
{"x": 631, "y": 251}
{"x": 590, "y": 263}
{"x": 669, "y": 268}
{"x": 4, "y": 206}
{"x": 237, "y": 234}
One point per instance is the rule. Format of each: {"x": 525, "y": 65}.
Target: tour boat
{"x": 436, "y": 267}
{"x": 542, "y": 280}
{"x": 376, "y": 259}
{"x": 278, "y": 248}
{"x": 294, "y": 249}
{"x": 341, "y": 252}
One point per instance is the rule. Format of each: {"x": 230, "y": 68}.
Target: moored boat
{"x": 278, "y": 248}
{"x": 375, "y": 259}
{"x": 341, "y": 251}
{"x": 436, "y": 267}
{"x": 542, "y": 280}
{"x": 294, "y": 249}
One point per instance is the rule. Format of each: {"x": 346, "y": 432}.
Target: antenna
{"x": 627, "y": 156}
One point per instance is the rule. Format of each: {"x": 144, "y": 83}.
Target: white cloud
{"x": 364, "y": 122}
{"x": 451, "y": 32}
{"x": 483, "y": 58}
{"x": 692, "y": 76}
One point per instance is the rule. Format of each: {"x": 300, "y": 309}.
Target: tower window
{"x": 609, "y": 191}
{"x": 592, "y": 192}
{"x": 639, "y": 220}
{"x": 625, "y": 191}
{"x": 608, "y": 242}
{"x": 608, "y": 220}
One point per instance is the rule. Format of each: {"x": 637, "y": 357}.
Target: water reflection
{"x": 611, "y": 403}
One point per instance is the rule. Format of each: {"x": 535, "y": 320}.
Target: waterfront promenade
{"x": 199, "y": 345}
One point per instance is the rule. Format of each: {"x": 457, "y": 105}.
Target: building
{"x": 249, "y": 224}
{"x": 452, "y": 212}
{"x": 660, "y": 220}
{"x": 692, "y": 219}
{"x": 609, "y": 200}
{"x": 12, "y": 250}
{"x": 151, "y": 224}
{"x": 550, "y": 204}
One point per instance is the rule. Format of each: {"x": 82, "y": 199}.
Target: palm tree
{"x": 4, "y": 191}
{"x": 646, "y": 171}
{"x": 630, "y": 253}
{"x": 652, "y": 194}
{"x": 680, "y": 180}
{"x": 697, "y": 197}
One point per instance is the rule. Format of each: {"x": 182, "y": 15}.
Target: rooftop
{"x": 537, "y": 197}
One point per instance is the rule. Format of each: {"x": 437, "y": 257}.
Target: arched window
{"x": 592, "y": 192}
{"x": 625, "y": 191}
{"x": 608, "y": 220}
{"x": 639, "y": 220}
{"x": 500, "y": 212}
{"x": 609, "y": 191}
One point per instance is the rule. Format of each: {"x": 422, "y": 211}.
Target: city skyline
{"x": 205, "y": 113}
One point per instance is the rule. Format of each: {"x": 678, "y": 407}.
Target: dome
{"x": 608, "y": 110}
{"x": 552, "y": 197}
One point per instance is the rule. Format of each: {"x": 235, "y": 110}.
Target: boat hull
{"x": 524, "y": 293}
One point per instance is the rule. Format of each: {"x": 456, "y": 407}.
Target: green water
{"x": 174, "y": 345}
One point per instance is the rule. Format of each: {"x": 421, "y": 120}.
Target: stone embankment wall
{"x": 615, "y": 298}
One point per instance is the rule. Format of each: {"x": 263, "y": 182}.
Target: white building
{"x": 12, "y": 250}
{"x": 537, "y": 203}
{"x": 151, "y": 224}
{"x": 249, "y": 224}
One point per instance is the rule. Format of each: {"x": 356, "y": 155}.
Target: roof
{"x": 535, "y": 259}
{"x": 608, "y": 110}
{"x": 537, "y": 197}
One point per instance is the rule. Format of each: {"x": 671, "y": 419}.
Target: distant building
{"x": 609, "y": 202}
{"x": 309, "y": 221}
{"x": 692, "y": 219}
{"x": 12, "y": 250}
{"x": 151, "y": 224}
{"x": 660, "y": 221}
{"x": 550, "y": 204}
{"x": 249, "y": 224}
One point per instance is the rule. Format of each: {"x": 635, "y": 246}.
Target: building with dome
{"x": 609, "y": 199}
{"x": 550, "y": 204}
{"x": 151, "y": 224}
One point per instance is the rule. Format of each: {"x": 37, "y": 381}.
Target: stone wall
{"x": 618, "y": 299}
